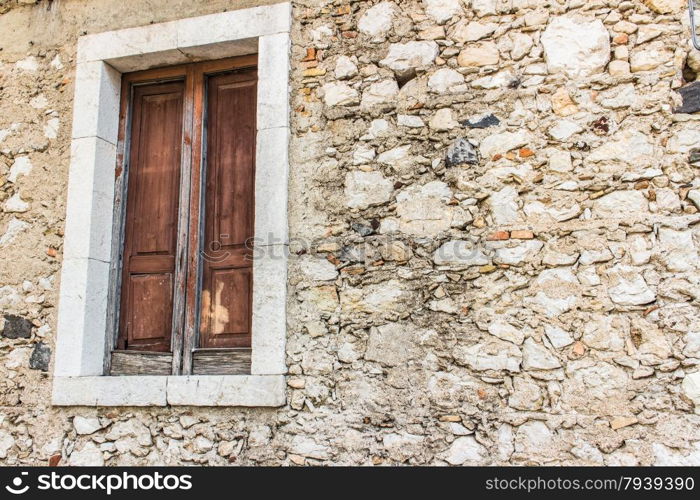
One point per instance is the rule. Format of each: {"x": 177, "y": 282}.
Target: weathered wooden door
{"x": 151, "y": 217}
{"x": 227, "y": 275}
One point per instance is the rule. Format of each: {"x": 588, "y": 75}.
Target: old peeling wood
{"x": 227, "y": 277}
{"x": 691, "y": 98}
{"x": 221, "y": 362}
{"x": 141, "y": 363}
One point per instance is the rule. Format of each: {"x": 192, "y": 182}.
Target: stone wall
{"x": 494, "y": 217}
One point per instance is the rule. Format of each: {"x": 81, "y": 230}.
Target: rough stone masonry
{"x": 495, "y": 210}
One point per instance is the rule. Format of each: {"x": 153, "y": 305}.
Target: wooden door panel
{"x": 229, "y": 286}
{"x": 157, "y": 177}
{"x": 151, "y": 217}
{"x": 151, "y": 306}
{"x": 233, "y": 159}
{"x": 229, "y": 210}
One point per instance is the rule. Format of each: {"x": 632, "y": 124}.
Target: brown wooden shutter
{"x": 227, "y": 275}
{"x": 148, "y": 268}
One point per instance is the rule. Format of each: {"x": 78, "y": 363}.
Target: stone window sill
{"x": 196, "y": 390}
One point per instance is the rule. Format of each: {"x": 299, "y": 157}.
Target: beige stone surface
{"x": 411, "y": 336}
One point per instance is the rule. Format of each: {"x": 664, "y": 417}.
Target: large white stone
{"x": 639, "y": 249}
{"x": 86, "y": 425}
{"x": 465, "y": 31}
{"x": 395, "y": 156}
{"x": 363, "y": 189}
{"x": 442, "y": 120}
{"x": 89, "y": 455}
{"x": 494, "y": 81}
{"x": 379, "y": 94}
{"x": 628, "y": 287}
{"x": 446, "y": 80}
{"x": 667, "y": 457}
{"x": 345, "y": 68}
{"x": 560, "y": 161}
{"x": 465, "y": 449}
{"x": 650, "y": 57}
{"x": 526, "y": 395}
{"x": 479, "y": 54}
{"x": 534, "y": 437}
{"x": 317, "y": 268}
{"x": 442, "y": 10}
{"x": 273, "y": 60}
{"x": 622, "y": 96}
{"x": 306, "y": 446}
{"x": 223, "y": 34}
{"x": 539, "y": 211}
{"x": 683, "y": 140}
{"x": 564, "y": 129}
{"x": 459, "y": 253}
{"x": 558, "y": 336}
{"x": 6, "y": 443}
{"x": 537, "y": 357}
{"x": 678, "y": 251}
{"x": 506, "y": 331}
{"x": 606, "y": 333}
{"x": 518, "y": 254}
{"x": 620, "y": 204}
{"x": 503, "y": 142}
{"x": 629, "y": 146}
{"x": 38, "y": 101}
{"x": 490, "y": 355}
{"x": 363, "y": 155}
{"x": 694, "y": 196}
{"x": 576, "y": 48}
{"x": 51, "y": 128}
{"x": 552, "y": 306}
{"x": 109, "y": 391}
{"x": 504, "y": 206}
{"x": 15, "y": 204}
{"x": 131, "y": 432}
{"x": 406, "y": 57}
{"x": 377, "y": 21}
{"x": 522, "y": 44}
{"x": 21, "y": 166}
{"x": 340, "y": 94}
{"x": 594, "y": 256}
{"x": 378, "y": 128}
{"x": 411, "y": 121}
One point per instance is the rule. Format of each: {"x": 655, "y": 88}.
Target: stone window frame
{"x": 81, "y": 343}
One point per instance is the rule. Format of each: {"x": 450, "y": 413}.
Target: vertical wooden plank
{"x": 119, "y": 218}
{"x": 196, "y": 87}
{"x": 184, "y": 227}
